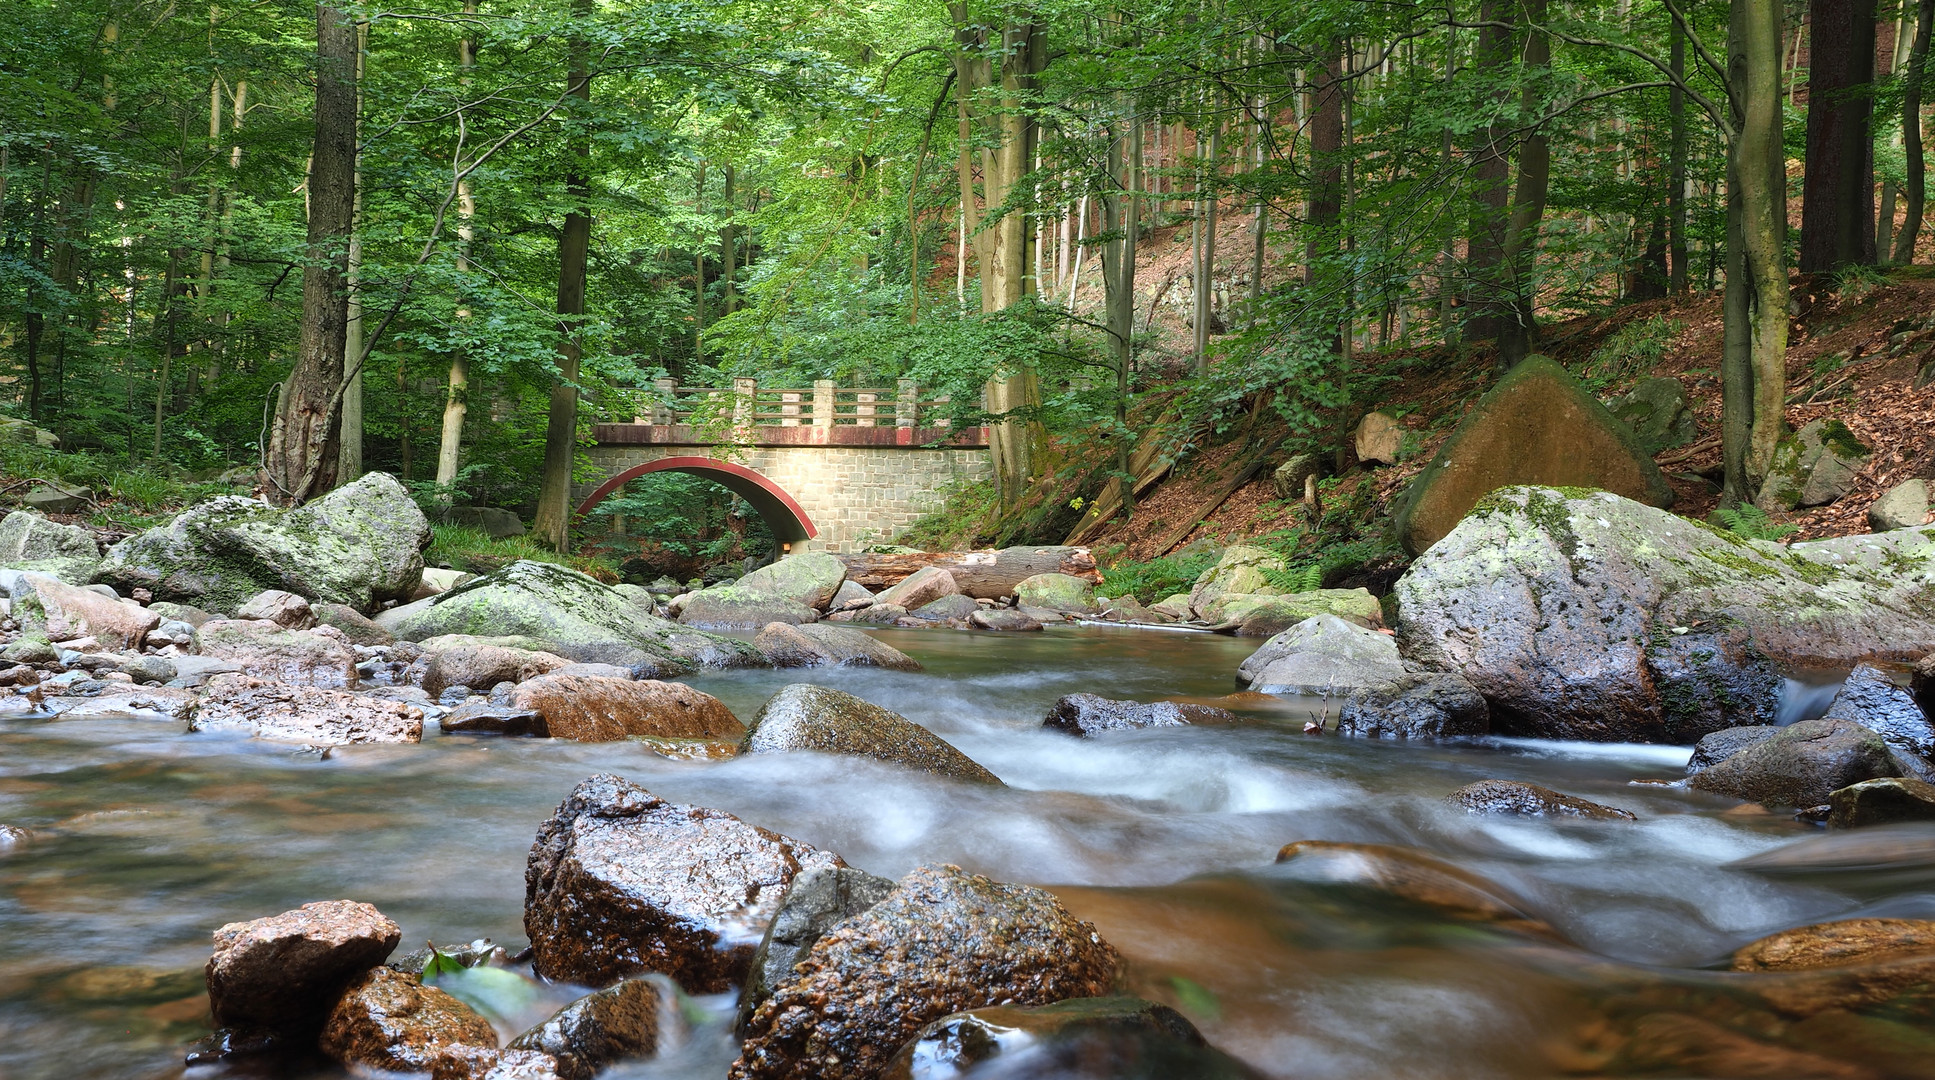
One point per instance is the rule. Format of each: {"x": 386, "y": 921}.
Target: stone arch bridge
{"x": 826, "y": 468}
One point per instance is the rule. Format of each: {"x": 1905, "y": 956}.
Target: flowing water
{"x": 1165, "y": 838}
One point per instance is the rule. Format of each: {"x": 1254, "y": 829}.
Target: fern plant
{"x": 1752, "y": 523}
{"x": 1296, "y": 579}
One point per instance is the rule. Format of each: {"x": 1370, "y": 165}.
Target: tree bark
{"x": 1491, "y": 181}
{"x": 1837, "y": 188}
{"x": 456, "y": 399}
{"x": 349, "y": 464}
{"x": 1676, "y": 167}
{"x": 1754, "y": 353}
{"x": 1205, "y": 310}
{"x": 301, "y": 459}
{"x": 552, "y": 522}
{"x": 1911, "y": 135}
{"x": 1121, "y": 221}
{"x": 729, "y": 244}
{"x": 1518, "y": 329}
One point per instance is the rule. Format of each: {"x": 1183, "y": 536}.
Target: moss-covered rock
{"x": 1065, "y": 593}
{"x": 1812, "y": 467}
{"x": 1539, "y": 425}
{"x": 359, "y": 545}
{"x": 810, "y": 578}
{"x": 26, "y": 536}
{"x": 738, "y": 607}
{"x": 1656, "y": 410}
{"x": 1590, "y": 616}
{"x": 569, "y": 614}
{"x": 1241, "y": 570}
{"x": 1252, "y": 615}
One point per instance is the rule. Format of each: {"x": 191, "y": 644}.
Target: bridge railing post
{"x": 863, "y": 408}
{"x": 906, "y": 403}
{"x": 744, "y": 393}
{"x": 662, "y": 412}
{"x": 823, "y": 403}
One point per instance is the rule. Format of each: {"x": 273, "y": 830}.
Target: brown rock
{"x": 386, "y": 1019}
{"x": 357, "y": 627}
{"x": 816, "y": 645}
{"x": 1854, "y": 941}
{"x": 286, "y": 970}
{"x": 920, "y": 588}
{"x": 818, "y": 718}
{"x": 463, "y": 1062}
{"x": 1802, "y": 764}
{"x": 1412, "y": 876}
{"x": 594, "y": 709}
{"x": 1378, "y": 439}
{"x": 1530, "y": 800}
{"x": 484, "y": 666}
{"x": 285, "y": 609}
{"x": 1008, "y": 619}
{"x": 267, "y": 651}
{"x": 1881, "y": 800}
{"x": 614, "y": 1024}
{"x": 942, "y": 942}
{"x": 303, "y": 714}
{"x": 621, "y": 882}
{"x": 62, "y": 612}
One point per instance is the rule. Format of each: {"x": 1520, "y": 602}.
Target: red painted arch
{"x": 781, "y": 514}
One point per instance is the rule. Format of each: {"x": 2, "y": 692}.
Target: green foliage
{"x": 1296, "y": 579}
{"x": 1632, "y": 350}
{"x": 1853, "y": 282}
{"x": 474, "y": 552}
{"x": 1155, "y": 580}
{"x": 967, "y": 512}
{"x": 1750, "y": 522}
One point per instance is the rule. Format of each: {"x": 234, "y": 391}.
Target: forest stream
{"x": 1164, "y": 838}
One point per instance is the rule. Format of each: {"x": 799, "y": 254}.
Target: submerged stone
{"x": 1530, "y": 800}
{"x": 1103, "y": 1038}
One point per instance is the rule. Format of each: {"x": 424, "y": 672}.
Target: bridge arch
{"x": 789, "y": 523}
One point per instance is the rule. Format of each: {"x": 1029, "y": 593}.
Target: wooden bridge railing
{"x": 746, "y": 404}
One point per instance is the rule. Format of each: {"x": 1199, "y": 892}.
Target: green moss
{"x": 1837, "y": 435}
{"x": 1740, "y": 564}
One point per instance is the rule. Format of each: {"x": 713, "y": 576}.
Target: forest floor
{"x": 1853, "y": 355}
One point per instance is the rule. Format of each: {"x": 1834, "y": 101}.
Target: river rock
{"x": 90, "y": 700}
{"x": 615, "y": 1024}
{"x": 303, "y": 714}
{"x": 1087, "y": 715}
{"x": 285, "y": 609}
{"x": 569, "y": 614}
{"x": 57, "y": 611}
{"x": 920, "y": 588}
{"x": 1378, "y": 439}
{"x": 1064, "y": 593}
{"x": 816, "y": 902}
{"x": 733, "y": 607}
{"x": 874, "y": 615}
{"x": 389, "y": 1020}
{"x": 1103, "y": 1038}
{"x": 1880, "y": 801}
{"x": 357, "y": 628}
{"x": 621, "y": 882}
{"x": 941, "y": 942}
{"x": 1656, "y": 411}
{"x": 1800, "y": 765}
{"x": 465, "y": 1062}
{"x": 485, "y": 666}
{"x": 27, "y": 537}
{"x": 1322, "y": 655}
{"x": 267, "y": 651}
{"x": 1409, "y": 875}
{"x": 1590, "y": 616}
{"x": 810, "y": 578}
{"x": 1904, "y": 506}
{"x": 1835, "y": 944}
{"x": 1009, "y": 619}
{"x": 1814, "y": 466}
{"x": 954, "y": 607}
{"x": 1870, "y": 698}
{"x": 1251, "y": 615}
{"x": 359, "y": 545}
{"x": 285, "y": 971}
{"x": 851, "y": 597}
{"x": 593, "y": 709}
{"x": 187, "y": 613}
{"x": 1240, "y": 570}
{"x": 489, "y": 717}
{"x": 832, "y": 646}
{"x": 1428, "y": 705}
{"x": 1539, "y": 425}
{"x": 1719, "y": 746}
{"x": 1530, "y": 800}
{"x": 828, "y": 721}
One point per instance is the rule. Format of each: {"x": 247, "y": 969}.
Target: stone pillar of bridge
{"x": 823, "y": 403}
{"x": 906, "y": 403}
{"x": 662, "y": 407}
{"x": 745, "y": 393}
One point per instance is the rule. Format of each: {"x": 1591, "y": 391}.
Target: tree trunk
{"x": 301, "y": 457}
{"x": 1837, "y": 188}
{"x": 729, "y": 244}
{"x": 1911, "y": 135}
{"x": 552, "y": 522}
{"x": 1518, "y": 330}
{"x": 1121, "y": 221}
{"x": 349, "y": 464}
{"x": 698, "y": 273}
{"x": 1205, "y": 313}
{"x": 456, "y": 399}
{"x": 1491, "y": 182}
{"x": 1676, "y": 167}
{"x": 1754, "y": 353}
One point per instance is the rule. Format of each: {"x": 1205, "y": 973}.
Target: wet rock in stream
{"x": 1411, "y": 876}
{"x": 621, "y": 882}
{"x": 807, "y": 717}
{"x": 1101, "y": 1038}
{"x": 1802, "y": 764}
{"x": 482, "y": 666}
{"x": 815, "y": 645}
{"x": 818, "y": 901}
{"x": 303, "y": 714}
{"x": 1717, "y": 747}
{"x": 285, "y": 971}
{"x": 266, "y": 650}
{"x": 462, "y": 1062}
{"x": 1871, "y": 698}
{"x": 590, "y": 708}
{"x": 942, "y": 941}
{"x": 1852, "y": 964}
{"x": 1530, "y": 800}
{"x": 386, "y": 1019}
{"x": 1881, "y": 801}
{"x": 1087, "y": 715}
{"x": 615, "y": 1024}
{"x": 1416, "y": 706}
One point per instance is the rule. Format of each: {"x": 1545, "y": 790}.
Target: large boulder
{"x": 1253, "y": 615}
{"x": 57, "y": 611}
{"x": 1241, "y": 570}
{"x": 1802, "y": 764}
{"x": 481, "y": 667}
{"x": 387, "y": 1020}
{"x": 1430, "y": 705}
{"x": 303, "y": 714}
{"x": 942, "y": 942}
{"x": 735, "y": 607}
{"x": 1378, "y": 439}
{"x": 266, "y": 650}
{"x": 590, "y": 708}
{"x": 1585, "y": 615}
{"x": 953, "y": 608}
{"x": 1656, "y": 411}
{"x": 494, "y": 522}
{"x": 809, "y": 578}
{"x": 27, "y": 537}
{"x": 621, "y": 882}
{"x": 1814, "y": 466}
{"x": 1064, "y": 593}
{"x": 1903, "y": 506}
{"x": 359, "y": 545}
{"x": 1087, "y": 715}
{"x": 920, "y": 588}
{"x": 1539, "y": 425}
{"x": 1322, "y": 655}
{"x": 828, "y": 721}
{"x": 283, "y": 972}
{"x": 819, "y": 645}
{"x": 572, "y": 615}
{"x": 615, "y": 1024}
{"x": 816, "y": 902}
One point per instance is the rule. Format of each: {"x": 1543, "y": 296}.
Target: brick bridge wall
{"x": 861, "y": 487}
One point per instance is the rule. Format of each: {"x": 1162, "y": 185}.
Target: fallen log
{"x": 981, "y": 574}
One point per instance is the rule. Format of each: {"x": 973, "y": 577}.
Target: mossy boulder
{"x": 1241, "y": 570}
{"x": 823, "y": 720}
{"x": 27, "y": 536}
{"x": 736, "y": 607}
{"x": 1812, "y": 467}
{"x": 1586, "y": 615}
{"x": 1065, "y": 593}
{"x": 1657, "y": 412}
{"x": 810, "y": 578}
{"x": 1539, "y": 425}
{"x": 571, "y": 615}
{"x": 359, "y": 545}
{"x": 1252, "y": 615}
